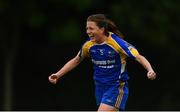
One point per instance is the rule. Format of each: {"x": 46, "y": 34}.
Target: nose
{"x": 88, "y": 31}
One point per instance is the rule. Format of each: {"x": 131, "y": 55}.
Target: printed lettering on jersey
{"x": 101, "y": 51}
{"x": 111, "y": 53}
{"x": 104, "y": 63}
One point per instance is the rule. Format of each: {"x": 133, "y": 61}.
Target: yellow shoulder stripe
{"x": 85, "y": 48}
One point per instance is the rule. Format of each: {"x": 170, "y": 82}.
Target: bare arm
{"x": 65, "y": 69}
{"x": 145, "y": 63}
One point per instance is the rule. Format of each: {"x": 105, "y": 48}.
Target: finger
{"x": 52, "y": 80}
{"x": 153, "y": 74}
{"x": 54, "y": 77}
{"x": 152, "y": 77}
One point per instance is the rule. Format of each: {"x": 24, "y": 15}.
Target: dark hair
{"x": 102, "y": 21}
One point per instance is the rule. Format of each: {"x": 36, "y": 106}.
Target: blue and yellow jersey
{"x": 109, "y": 58}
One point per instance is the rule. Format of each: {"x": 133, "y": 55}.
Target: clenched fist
{"x": 151, "y": 75}
{"x": 53, "y": 78}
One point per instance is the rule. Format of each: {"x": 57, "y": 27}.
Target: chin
{"x": 93, "y": 39}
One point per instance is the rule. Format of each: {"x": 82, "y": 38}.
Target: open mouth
{"x": 91, "y": 35}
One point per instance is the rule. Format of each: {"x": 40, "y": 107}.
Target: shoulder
{"x": 88, "y": 43}
{"x": 117, "y": 39}
{"x": 121, "y": 41}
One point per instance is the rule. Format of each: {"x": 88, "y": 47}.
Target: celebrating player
{"x": 108, "y": 52}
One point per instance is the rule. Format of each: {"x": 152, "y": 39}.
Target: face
{"x": 94, "y": 31}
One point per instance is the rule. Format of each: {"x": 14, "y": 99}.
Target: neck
{"x": 102, "y": 39}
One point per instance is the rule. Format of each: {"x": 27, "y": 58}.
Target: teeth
{"x": 90, "y": 35}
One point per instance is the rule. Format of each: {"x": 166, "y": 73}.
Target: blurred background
{"x": 37, "y": 37}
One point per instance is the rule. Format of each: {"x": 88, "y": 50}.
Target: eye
{"x": 90, "y": 28}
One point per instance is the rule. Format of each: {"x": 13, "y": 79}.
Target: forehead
{"x": 90, "y": 23}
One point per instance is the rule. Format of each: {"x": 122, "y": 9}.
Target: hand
{"x": 151, "y": 75}
{"x": 53, "y": 78}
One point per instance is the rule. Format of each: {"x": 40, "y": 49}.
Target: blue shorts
{"x": 115, "y": 95}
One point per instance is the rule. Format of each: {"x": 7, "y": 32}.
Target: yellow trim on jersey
{"x": 111, "y": 42}
{"x": 134, "y": 52}
{"x": 85, "y": 49}
{"x": 115, "y": 45}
